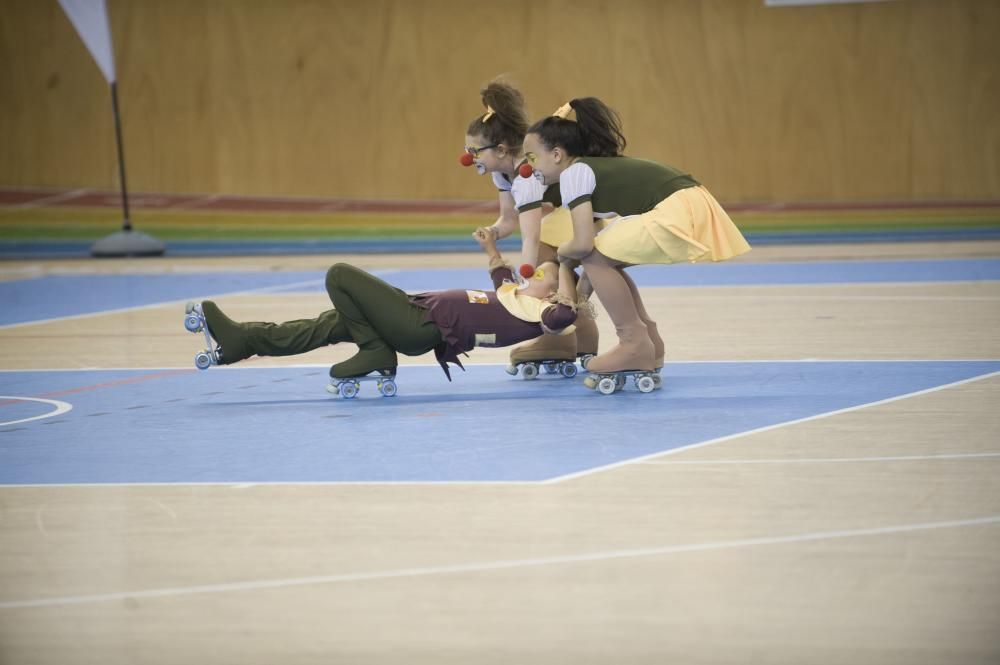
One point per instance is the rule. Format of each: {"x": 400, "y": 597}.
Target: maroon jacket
{"x": 461, "y": 320}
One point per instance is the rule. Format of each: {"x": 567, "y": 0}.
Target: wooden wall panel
{"x": 370, "y": 98}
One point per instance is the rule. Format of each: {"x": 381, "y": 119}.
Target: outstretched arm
{"x": 563, "y": 312}
{"x": 582, "y": 243}
{"x": 567, "y": 281}
{"x": 531, "y": 232}
{"x": 499, "y": 270}
{"x": 506, "y": 222}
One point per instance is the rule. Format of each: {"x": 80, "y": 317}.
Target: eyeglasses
{"x": 475, "y": 151}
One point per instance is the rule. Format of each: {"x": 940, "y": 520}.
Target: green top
{"x": 623, "y": 185}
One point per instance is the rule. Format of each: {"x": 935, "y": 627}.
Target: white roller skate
{"x": 553, "y": 354}
{"x": 611, "y": 382}
{"x": 348, "y": 387}
{"x": 194, "y": 322}
{"x": 529, "y": 369}
{"x": 634, "y": 350}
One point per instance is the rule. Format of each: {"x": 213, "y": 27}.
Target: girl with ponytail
{"x": 494, "y": 145}
{"x": 659, "y": 214}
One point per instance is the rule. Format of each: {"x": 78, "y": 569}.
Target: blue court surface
{"x": 260, "y": 425}
{"x": 39, "y": 249}
{"x": 73, "y": 295}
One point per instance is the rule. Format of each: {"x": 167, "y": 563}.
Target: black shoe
{"x": 230, "y": 335}
{"x": 366, "y": 361}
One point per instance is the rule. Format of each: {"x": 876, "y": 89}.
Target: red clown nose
{"x": 527, "y": 270}
{"x": 525, "y": 170}
{"x": 465, "y": 159}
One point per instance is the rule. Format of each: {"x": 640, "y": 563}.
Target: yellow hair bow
{"x": 489, "y": 113}
{"x": 564, "y": 112}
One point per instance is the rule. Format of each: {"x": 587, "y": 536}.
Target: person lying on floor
{"x": 384, "y": 320}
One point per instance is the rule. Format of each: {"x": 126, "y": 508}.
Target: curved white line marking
{"x": 489, "y": 566}
{"x": 61, "y": 408}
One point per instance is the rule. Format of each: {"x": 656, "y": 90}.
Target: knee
{"x": 335, "y": 275}
{"x": 595, "y": 258}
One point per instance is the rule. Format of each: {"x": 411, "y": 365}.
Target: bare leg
{"x": 634, "y": 350}
{"x": 651, "y": 328}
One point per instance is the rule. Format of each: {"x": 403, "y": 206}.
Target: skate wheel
{"x": 202, "y": 360}
{"x": 387, "y": 388}
{"x": 568, "y": 370}
{"x": 550, "y": 368}
{"x": 512, "y": 370}
{"x": 585, "y": 360}
{"x": 607, "y": 385}
{"x": 657, "y": 381}
{"x": 333, "y": 388}
{"x": 348, "y": 390}
{"x": 645, "y": 384}
{"x": 529, "y": 371}
{"x": 189, "y": 307}
{"x": 590, "y": 382}
{"x": 192, "y": 323}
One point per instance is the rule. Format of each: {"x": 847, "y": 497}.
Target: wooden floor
{"x": 870, "y": 536}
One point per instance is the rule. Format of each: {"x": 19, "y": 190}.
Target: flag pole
{"x": 126, "y": 220}
{"x": 127, "y": 242}
{"x": 90, "y": 19}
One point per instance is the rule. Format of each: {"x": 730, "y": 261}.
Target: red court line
{"x": 119, "y": 382}
{"x": 232, "y": 203}
{"x": 107, "y": 384}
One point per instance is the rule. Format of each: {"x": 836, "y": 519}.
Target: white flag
{"x": 90, "y": 18}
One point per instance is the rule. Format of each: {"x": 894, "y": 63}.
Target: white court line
{"x": 490, "y": 566}
{"x": 61, "y": 408}
{"x": 137, "y": 308}
{"x": 828, "y": 460}
{"x": 730, "y": 437}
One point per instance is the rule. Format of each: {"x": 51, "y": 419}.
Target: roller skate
{"x": 194, "y": 322}
{"x": 634, "y": 354}
{"x": 553, "y": 354}
{"x": 373, "y": 362}
{"x": 607, "y": 383}
{"x": 348, "y": 387}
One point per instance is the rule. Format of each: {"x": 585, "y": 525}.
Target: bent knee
{"x": 336, "y": 273}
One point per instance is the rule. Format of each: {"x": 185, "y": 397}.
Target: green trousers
{"x": 373, "y": 314}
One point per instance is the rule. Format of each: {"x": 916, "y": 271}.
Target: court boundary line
{"x": 496, "y": 565}
{"x": 827, "y": 460}
{"x": 134, "y": 308}
{"x": 638, "y": 461}
{"x": 289, "y": 288}
{"x": 766, "y": 428}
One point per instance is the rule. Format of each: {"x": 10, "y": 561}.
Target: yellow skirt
{"x": 557, "y": 227}
{"x": 687, "y": 226}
